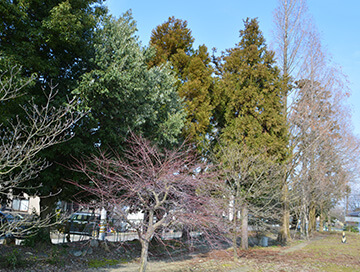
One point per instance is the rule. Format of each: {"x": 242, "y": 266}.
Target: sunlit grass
{"x": 330, "y": 254}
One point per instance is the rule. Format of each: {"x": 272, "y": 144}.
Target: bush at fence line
{"x": 36, "y": 238}
{"x": 351, "y": 228}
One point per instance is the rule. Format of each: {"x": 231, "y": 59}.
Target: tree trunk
{"x": 145, "y": 221}
{"x": 144, "y": 255}
{"x": 47, "y": 209}
{"x": 284, "y": 234}
{"x": 145, "y": 240}
{"x": 321, "y": 220}
{"x": 244, "y": 227}
{"x": 185, "y": 234}
{"x": 234, "y": 238}
{"x": 306, "y": 223}
{"x": 329, "y": 221}
{"x": 312, "y": 220}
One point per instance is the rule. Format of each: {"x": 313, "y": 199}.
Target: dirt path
{"x": 300, "y": 246}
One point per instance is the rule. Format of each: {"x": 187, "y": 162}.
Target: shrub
{"x": 351, "y": 228}
{"x": 12, "y": 260}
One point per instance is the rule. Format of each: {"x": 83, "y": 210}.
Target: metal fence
{"x": 115, "y": 231}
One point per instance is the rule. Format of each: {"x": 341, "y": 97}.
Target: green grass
{"x": 96, "y": 263}
{"x": 337, "y": 268}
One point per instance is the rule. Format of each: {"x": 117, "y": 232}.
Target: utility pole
{"x": 102, "y": 224}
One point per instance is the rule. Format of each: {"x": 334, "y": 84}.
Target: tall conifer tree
{"x": 119, "y": 93}
{"x": 174, "y": 43}
{"x": 253, "y": 121}
{"x": 251, "y": 84}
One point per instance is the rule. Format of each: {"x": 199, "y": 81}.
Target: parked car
{"x": 15, "y": 225}
{"x": 5, "y": 220}
{"x": 83, "y": 223}
{"x": 87, "y": 223}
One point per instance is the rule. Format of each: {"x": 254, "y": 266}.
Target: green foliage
{"x": 169, "y": 38}
{"x": 251, "y": 125}
{"x": 12, "y": 260}
{"x": 50, "y": 38}
{"x": 351, "y": 229}
{"x": 252, "y": 106}
{"x": 14, "y": 82}
{"x": 174, "y": 44}
{"x": 54, "y": 40}
{"x": 122, "y": 94}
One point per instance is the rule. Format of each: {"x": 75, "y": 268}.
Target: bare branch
{"x": 23, "y": 138}
{"x": 166, "y": 186}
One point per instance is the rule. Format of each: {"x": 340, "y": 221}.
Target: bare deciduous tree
{"x": 22, "y": 140}
{"x": 314, "y": 94}
{"x": 252, "y": 182}
{"x": 292, "y": 24}
{"x": 353, "y": 202}
{"x": 169, "y": 187}
{"x": 319, "y": 136}
{"x": 39, "y": 127}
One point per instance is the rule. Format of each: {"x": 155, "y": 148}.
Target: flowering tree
{"x": 168, "y": 186}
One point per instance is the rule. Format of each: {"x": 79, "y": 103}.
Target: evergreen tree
{"x": 54, "y": 41}
{"x": 251, "y": 84}
{"x": 50, "y": 38}
{"x": 122, "y": 93}
{"x": 253, "y": 122}
{"x": 170, "y": 37}
{"x": 100, "y": 62}
{"x": 174, "y": 43}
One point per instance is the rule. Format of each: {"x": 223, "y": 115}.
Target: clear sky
{"x": 217, "y": 24}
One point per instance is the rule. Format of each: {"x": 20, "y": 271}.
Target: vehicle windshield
{"x": 83, "y": 217}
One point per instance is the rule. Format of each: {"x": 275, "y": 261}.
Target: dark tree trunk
{"x": 284, "y": 234}
{"x": 47, "y": 211}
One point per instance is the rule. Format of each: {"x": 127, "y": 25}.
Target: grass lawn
{"x": 324, "y": 252}
{"x": 329, "y": 254}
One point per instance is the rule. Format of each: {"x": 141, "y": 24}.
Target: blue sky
{"x": 217, "y": 24}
